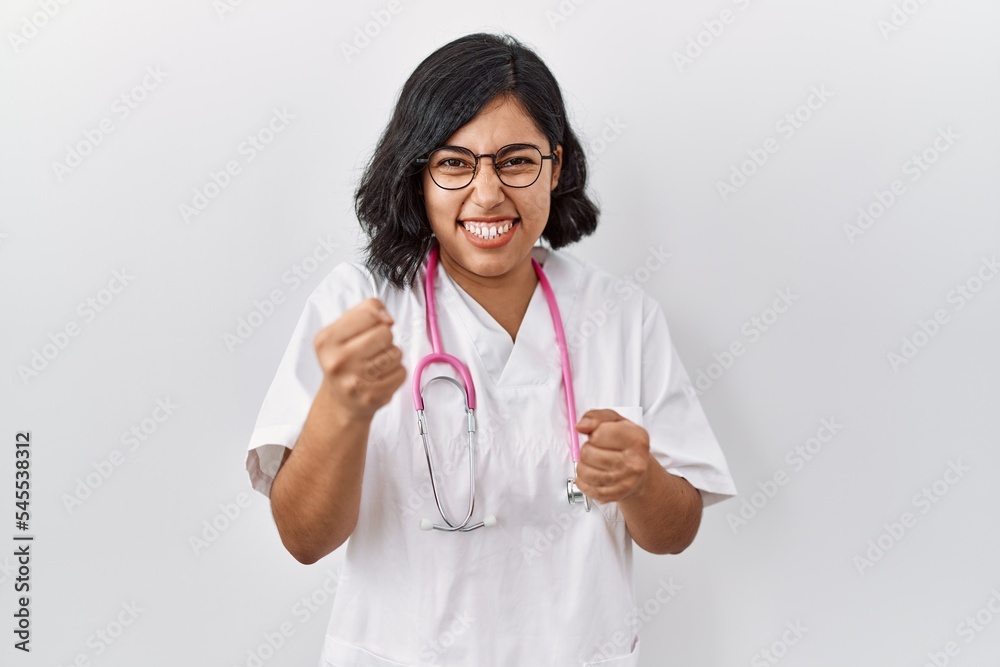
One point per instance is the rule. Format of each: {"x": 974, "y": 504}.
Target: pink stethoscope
{"x": 573, "y": 492}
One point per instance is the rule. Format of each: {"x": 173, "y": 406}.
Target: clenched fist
{"x": 362, "y": 368}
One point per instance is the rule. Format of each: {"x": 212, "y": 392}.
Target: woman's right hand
{"x": 362, "y": 368}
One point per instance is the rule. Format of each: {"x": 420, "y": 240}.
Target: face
{"x": 452, "y": 213}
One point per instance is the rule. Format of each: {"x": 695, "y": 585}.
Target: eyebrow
{"x": 516, "y": 143}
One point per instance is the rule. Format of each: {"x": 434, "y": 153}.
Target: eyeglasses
{"x": 454, "y": 167}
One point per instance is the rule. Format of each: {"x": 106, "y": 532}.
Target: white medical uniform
{"x": 550, "y": 584}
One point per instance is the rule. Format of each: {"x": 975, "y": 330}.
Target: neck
{"x": 494, "y": 289}
{"x": 504, "y": 297}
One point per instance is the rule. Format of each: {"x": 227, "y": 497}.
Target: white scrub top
{"x": 550, "y": 584}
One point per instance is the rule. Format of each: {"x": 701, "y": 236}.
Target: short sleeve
{"x": 680, "y": 437}
{"x": 299, "y": 376}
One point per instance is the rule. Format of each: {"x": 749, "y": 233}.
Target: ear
{"x": 556, "y": 166}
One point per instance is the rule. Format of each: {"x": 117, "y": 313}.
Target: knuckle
{"x": 385, "y": 359}
{"x": 353, "y": 385}
{"x": 336, "y": 362}
{"x": 384, "y": 335}
{"x": 320, "y": 340}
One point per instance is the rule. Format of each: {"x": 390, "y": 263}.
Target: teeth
{"x": 486, "y": 231}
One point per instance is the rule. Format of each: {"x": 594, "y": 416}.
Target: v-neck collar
{"x": 533, "y": 358}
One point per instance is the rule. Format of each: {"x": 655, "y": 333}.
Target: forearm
{"x": 316, "y": 495}
{"x": 663, "y": 516}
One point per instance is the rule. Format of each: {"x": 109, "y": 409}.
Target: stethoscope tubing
{"x": 438, "y": 355}
{"x": 567, "y": 374}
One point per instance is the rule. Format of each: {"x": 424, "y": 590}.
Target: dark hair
{"x": 446, "y": 91}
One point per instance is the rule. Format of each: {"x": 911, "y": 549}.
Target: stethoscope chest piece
{"x": 574, "y": 494}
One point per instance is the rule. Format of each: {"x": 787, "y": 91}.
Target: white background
{"x": 684, "y": 127}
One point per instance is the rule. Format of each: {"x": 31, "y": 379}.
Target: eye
{"x": 516, "y": 161}
{"x": 519, "y": 158}
{"x": 453, "y": 163}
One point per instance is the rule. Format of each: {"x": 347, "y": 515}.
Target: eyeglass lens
{"x": 517, "y": 165}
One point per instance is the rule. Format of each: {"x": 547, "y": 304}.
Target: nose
{"x": 487, "y": 190}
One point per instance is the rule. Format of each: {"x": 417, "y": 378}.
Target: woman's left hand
{"x": 614, "y": 462}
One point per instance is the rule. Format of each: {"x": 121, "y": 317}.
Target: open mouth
{"x": 489, "y": 230}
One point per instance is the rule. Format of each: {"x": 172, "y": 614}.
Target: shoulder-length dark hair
{"x": 446, "y": 91}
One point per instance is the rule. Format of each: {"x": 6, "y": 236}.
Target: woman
{"x": 476, "y": 165}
